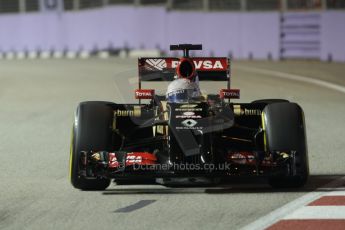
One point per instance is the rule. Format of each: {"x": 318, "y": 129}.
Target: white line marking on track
{"x": 318, "y": 212}
{"x": 280, "y": 213}
{"x": 294, "y": 77}
{"x": 337, "y": 193}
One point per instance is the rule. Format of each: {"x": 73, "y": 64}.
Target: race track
{"x": 37, "y": 102}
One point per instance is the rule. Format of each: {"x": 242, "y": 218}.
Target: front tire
{"x": 285, "y": 131}
{"x": 270, "y": 101}
{"x": 91, "y": 132}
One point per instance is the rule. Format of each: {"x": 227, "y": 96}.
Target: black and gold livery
{"x": 262, "y": 138}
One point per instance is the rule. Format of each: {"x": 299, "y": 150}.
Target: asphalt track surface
{"x": 37, "y": 102}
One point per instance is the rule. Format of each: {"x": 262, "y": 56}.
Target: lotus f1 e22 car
{"x": 196, "y": 138}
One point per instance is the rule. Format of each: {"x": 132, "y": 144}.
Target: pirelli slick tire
{"x": 270, "y": 101}
{"x": 91, "y": 131}
{"x": 285, "y": 131}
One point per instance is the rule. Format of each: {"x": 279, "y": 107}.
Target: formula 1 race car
{"x": 186, "y": 137}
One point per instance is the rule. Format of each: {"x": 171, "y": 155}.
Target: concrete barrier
{"x": 242, "y": 35}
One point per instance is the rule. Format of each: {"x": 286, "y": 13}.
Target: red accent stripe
{"x": 329, "y": 201}
{"x": 308, "y": 225}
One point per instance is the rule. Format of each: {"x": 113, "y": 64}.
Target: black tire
{"x": 91, "y": 131}
{"x": 285, "y": 131}
{"x": 270, "y": 101}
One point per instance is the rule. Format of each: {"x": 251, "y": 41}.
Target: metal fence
{"x": 9, "y": 6}
{"x": 20, "y": 6}
{"x": 221, "y": 5}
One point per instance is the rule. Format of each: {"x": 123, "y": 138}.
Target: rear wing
{"x": 164, "y": 69}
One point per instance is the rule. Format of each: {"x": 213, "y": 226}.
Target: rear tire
{"x": 285, "y": 131}
{"x": 91, "y": 132}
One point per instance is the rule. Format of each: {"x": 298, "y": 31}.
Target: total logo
{"x": 143, "y": 93}
{"x": 189, "y": 114}
{"x": 230, "y": 94}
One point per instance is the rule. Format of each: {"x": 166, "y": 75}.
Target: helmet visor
{"x": 181, "y": 96}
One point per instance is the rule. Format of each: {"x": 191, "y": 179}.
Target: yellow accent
{"x": 162, "y": 129}
{"x": 284, "y": 155}
{"x": 154, "y": 128}
{"x": 264, "y": 129}
{"x": 165, "y": 115}
{"x": 239, "y": 139}
{"x": 237, "y": 110}
{"x": 114, "y": 122}
{"x": 71, "y": 156}
{"x": 159, "y": 129}
{"x": 136, "y": 111}
{"x": 96, "y": 156}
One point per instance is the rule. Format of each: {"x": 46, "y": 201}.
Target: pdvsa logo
{"x": 203, "y": 64}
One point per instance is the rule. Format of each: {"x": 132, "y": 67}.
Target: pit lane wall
{"x": 243, "y": 35}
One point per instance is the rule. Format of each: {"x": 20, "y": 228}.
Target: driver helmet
{"x": 182, "y": 90}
